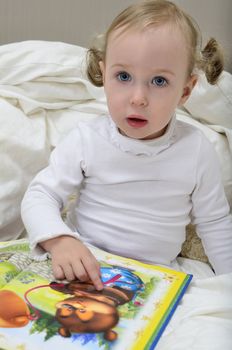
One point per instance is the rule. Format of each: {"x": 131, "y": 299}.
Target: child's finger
{"x": 95, "y": 278}
{"x": 58, "y": 271}
{"x": 68, "y": 271}
{"x": 93, "y": 270}
{"x": 80, "y": 272}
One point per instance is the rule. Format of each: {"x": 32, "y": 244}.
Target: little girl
{"x": 142, "y": 175}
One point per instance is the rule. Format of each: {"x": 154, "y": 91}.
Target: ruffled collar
{"x": 142, "y": 147}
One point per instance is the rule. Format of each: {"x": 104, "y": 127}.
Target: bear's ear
{"x": 64, "y": 332}
{"x": 110, "y": 335}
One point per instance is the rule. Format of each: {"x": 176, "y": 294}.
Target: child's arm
{"x": 41, "y": 213}
{"x": 71, "y": 259}
{"x": 48, "y": 193}
{"x": 210, "y": 212}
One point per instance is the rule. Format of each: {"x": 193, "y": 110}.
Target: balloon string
{"x": 36, "y": 314}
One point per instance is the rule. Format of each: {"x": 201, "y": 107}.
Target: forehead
{"x": 163, "y": 43}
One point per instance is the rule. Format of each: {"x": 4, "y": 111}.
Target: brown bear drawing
{"x": 89, "y": 310}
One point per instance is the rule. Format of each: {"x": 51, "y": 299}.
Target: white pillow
{"x": 212, "y": 104}
{"x": 28, "y": 60}
{"x": 43, "y": 94}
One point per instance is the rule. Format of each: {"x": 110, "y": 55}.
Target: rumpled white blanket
{"x": 203, "y": 319}
{"x": 43, "y": 94}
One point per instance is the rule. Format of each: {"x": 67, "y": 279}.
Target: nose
{"x": 139, "y": 96}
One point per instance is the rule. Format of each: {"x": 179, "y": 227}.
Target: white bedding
{"x": 43, "y": 94}
{"x": 203, "y": 320}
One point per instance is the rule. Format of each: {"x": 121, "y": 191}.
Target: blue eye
{"x": 159, "y": 81}
{"x": 123, "y": 76}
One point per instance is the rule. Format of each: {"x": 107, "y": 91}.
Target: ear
{"x": 191, "y": 82}
{"x": 102, "y": 67}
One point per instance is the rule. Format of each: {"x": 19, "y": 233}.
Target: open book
{"x": 130, "y": 313}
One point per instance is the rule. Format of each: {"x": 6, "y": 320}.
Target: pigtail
{"x": 94, "y": 55}
{"x": 212, "y": 61}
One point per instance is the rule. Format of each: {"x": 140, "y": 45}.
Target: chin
{"x": 131, "y": 135}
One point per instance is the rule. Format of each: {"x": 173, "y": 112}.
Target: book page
{"x": 37, "y": 312}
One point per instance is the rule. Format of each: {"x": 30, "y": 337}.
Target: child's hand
{"x": 71, "y": 259}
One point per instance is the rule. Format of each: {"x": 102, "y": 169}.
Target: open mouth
{"x": 136, "y": 121}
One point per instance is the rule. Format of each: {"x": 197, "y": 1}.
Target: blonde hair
{"x": 153, "y": 13}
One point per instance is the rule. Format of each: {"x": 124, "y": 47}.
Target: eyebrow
{"x": 125, "y": 66}
{"x": 166, "y": 71}
{"x": 158, "y": 71}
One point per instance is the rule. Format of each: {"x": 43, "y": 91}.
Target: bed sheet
{"x": 203, "y": 320}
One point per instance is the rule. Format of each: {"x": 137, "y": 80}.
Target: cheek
{"x": 112, "y": 105}
{"x": 164, "y": 100}
{"x": 115, "y": 99}
{"x": 172, "y": 99}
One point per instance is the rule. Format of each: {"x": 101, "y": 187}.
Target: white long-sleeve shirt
{"x": 135, "y": 197}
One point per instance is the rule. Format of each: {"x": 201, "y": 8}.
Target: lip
{"x": 136, "y": 121}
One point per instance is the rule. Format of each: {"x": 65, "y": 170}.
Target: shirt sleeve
{"x": 210, "y": 210}
{"x": 48, "y": 193}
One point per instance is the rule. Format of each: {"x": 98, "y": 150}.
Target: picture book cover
{"x": 130, "y": 313}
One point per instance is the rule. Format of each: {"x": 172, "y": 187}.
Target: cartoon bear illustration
{"x": 92, "y": 311}
{"x": 86, "y": 311}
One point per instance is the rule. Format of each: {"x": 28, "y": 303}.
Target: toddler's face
{"x": 145, "y": 79}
